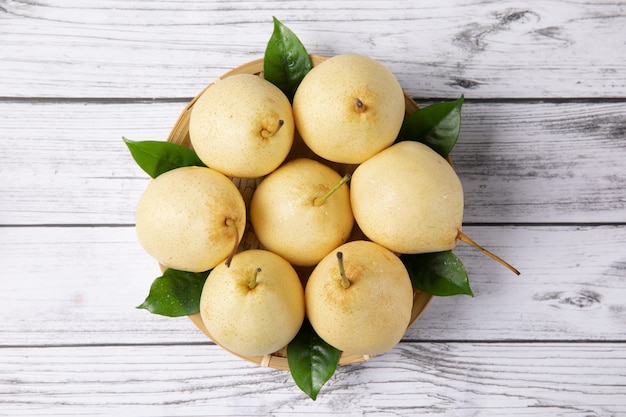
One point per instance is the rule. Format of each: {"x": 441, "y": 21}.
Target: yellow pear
{"x": 348, "y": 108}
{"x": 254, "y": 307}
{"x": 190, "y": 218}
{"x": 409, "y": 199}
{"x": 360, "y": 301}
{"x": 242, "y": 126}
{"x": 302, "y": 211}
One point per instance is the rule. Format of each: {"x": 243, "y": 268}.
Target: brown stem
{"x": 269, "y": 133}
{"x": 345, "y": 282}
{"x": 231, "y": 223}
{"x": 466, "y": 239}
{"x": 359, "y": 105}
{"x": 252, "y": 282}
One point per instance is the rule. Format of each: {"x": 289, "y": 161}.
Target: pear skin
{"x": 190, "y": 218}
{"x": 254, "y": 307}
{"x": 368, "y": 316}
{"x": 408, "y": 199}
{"x": 242, "y": 126}
{"x": 286, "y": 218}
{"x": 348, "y": 108}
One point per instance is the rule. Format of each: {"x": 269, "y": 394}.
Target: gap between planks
{"x": 142, "y": 100}
{"x": 403, "y": 342}
{"x": 468, "y": 224}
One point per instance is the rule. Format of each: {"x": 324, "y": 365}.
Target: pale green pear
{"x": 362, "y": 302}
{"x": 190, "y": 218}
{"x": 302, "y": 211}
{"x": 409, "y": 199}
{"x": 348, "y": 108}
{"x": 255, "y": 306}
{"x": 242, "y": 126}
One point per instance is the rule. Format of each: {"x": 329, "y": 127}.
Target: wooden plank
{"x": 484, "y": 49}
{"x": 543, "y": 162}
{"x": 68, "y": 163}
{"x": 431, "y": 379}
{"x": 80, "y": 285}
{"x": 541, "y": 153}
{"x": 519, "y": 162}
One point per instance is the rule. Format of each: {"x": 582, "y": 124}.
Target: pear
{"x": 254, "y": 307}
{"x": 239, "y": 119}
{"x": 408, "y": 199}
{"x": 359, "y": 298}
{"x": 190, "y": 218}
{"x": 348, "y": 108}
{"x": 302, "y": 211}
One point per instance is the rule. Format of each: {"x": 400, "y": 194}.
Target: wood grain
{"x": 518, "y": 162}
{"x": 460, "y": 379}
{"x": 85, "y": 282}
{"x": 114, "y": 48}
{"x": 541, "y": 157}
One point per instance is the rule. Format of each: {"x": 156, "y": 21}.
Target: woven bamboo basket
{"x": 180, "y": 135}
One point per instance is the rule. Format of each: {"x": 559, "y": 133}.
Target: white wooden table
{"x": 542, "y": 158}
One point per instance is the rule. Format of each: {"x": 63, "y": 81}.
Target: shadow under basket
{"x": 180, "y": 135}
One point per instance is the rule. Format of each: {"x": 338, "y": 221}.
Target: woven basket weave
{"x": 180, "y": 135}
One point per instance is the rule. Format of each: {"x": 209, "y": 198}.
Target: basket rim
{"x": 180, "y": 135}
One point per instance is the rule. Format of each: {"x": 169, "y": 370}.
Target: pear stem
{"x": 318, "y": 201}
{"x": 345, "y": 282}
{"x": 252, "y": 283}
{"x": 466, "y": 239}
{"x": 269, "y": 133}
{"x": 359, "y": 106}
{"x": 231, "y": 223}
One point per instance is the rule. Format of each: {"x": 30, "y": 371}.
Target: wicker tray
{"x": 180, "y": 135}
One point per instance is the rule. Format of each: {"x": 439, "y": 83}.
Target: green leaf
{"x": 286, "y": 60}
{"x": 157, "y": 157}
{"x": 437, "y": 126}
{"x": 175, "y": 293}
{"x": 437, "y": 273}
{"x": 311, "y": 360}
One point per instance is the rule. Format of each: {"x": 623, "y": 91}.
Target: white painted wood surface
{"x": 510, "y": 157}
{"x": 541, "y": 155}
